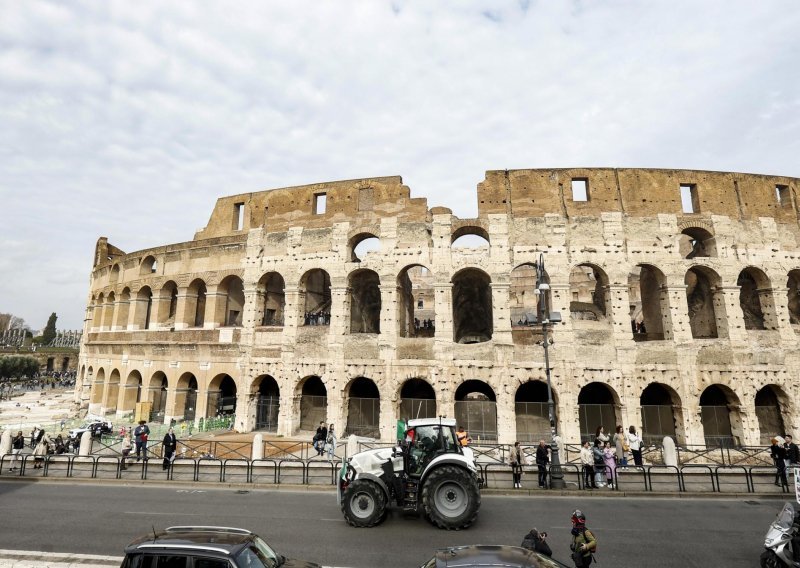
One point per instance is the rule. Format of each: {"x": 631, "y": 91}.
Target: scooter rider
{"x": 583, "y": 542}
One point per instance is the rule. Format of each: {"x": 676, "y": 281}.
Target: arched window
{"x": 472, "y": 306}
{"x": 268, "y": 403}
{"x": 793, "y": 299}
{"x": 148, "y": 266}
{"x": 196, "y": 303}
{"x": 768, "y": 412}
{"x": 313, "y": 403}
{"x": 365, "y": 302}
{"x": 470, "y": 237}
{"x": 476, "y": 410}
{"x": 416, "y": 314}
{"x": 363, "y": 408}
{"x": 695, "y": 242}
{"x": 660, "y": 406}
{"x": 315, "y": 292}
{"x": 590, "y": 296}
{"x": 719, "y": 413}
{"x": 271, "y": 299}
{"x": 532, "y": 412}
{"x": 417, "y": 400}
{"x": 649, "y": 302}
{"x": 158, "y": 396}
{"x": 597, "y": 406}
{"x": 221, "y": 396}
{"x": 755, "y": 299}
{"x": 186, "y": 396}
{"x": 232, "y": 288}
{"x": 361, "y": 245}
{"x": 701, "y": 285}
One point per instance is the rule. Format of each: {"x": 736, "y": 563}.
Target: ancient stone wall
{"x": 677, "y": 291}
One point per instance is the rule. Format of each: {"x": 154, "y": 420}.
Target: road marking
{"x": 156, "y": 513}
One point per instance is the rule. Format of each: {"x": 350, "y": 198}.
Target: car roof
{"x": 217, "y": 541}
{"x": 486, "y": 555}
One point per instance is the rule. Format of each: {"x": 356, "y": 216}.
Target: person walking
{"x": 542, "y": 459}
{"x": 635, "y": 444}
{"x": 587, "y": 459}
{"x": 583, "y": 542}
{"x": 140, "y": 434}
{"x": 17, "y": 444}
{"x": 515, "y": 459}
{"x": 40, "y": 451}
{"x": 792, "y": 453}
{"x": 610, "y": 458}
{"x": 126, "y": 450}
{"x": 619, "y": 446}
{"x": 330, "y": 443}
{"x": 778, "y": 454}
{"x": 320, "y": 437}
{"x": 170, "y": 442}
{"x": 599, "y": 463}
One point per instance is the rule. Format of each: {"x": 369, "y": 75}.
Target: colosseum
{"x": 352, "y": 302}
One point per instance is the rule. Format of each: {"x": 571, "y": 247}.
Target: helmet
{"x": 578, "y": 518}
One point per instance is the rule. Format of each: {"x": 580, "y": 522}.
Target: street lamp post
{"x": 545, "y": 317}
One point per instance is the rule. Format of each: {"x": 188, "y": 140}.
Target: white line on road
{"x": 156, "y": 513}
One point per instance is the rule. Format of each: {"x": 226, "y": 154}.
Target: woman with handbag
{"x": 635, "y": 444}
{"x": 619, "y": 445}
{"x": 514, "y": 458}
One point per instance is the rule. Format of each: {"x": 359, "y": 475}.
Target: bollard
{"x": 5, "y": 442}
{"x": 258, "y": 447}
{"x": 669, "y": 452}
{"x": 86, "y": 444}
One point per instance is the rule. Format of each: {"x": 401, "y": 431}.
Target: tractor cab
{"x": 425, "y": 442}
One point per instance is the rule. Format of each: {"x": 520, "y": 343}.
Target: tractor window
{"x": 428, "y": 438}
{"x": 450, "y": 444}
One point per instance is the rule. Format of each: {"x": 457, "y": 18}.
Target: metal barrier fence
{"x": 496, "y": 475}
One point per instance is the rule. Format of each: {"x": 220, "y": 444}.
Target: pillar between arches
{"x": 780, "y": 302}
{"x": 216, "y": 303}
{"x": 679, "y": 326}
{"x": 185, "y": 301}
{"x": 730, "y": 321}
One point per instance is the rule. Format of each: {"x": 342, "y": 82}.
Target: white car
{"x": 96, "y": 426}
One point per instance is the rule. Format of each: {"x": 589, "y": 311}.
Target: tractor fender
{"x": 377, "y": 480}
{"x": 449, "y": 459}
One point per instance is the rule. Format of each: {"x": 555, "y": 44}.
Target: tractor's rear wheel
{"x": 451, "y": 498}
{"x": 364, "y": 503}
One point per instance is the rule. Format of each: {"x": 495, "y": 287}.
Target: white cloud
{"x": 128, "y": 121}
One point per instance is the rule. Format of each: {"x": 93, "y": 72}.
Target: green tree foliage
{"x": 17, "y": 366}
{"x": 49, "y": 333}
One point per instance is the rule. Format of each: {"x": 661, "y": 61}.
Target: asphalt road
{"x": 652, "y": 532}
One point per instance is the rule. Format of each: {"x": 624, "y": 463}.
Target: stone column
{"x": 184, "y": 309}
{"x": 245, "y": 410}
{"x": 679, "y": 329}
{"x": 387, "y": 340}
{"x": 340, "y": 312}
{"x": 443, "y": 306}
{"x": 121, "y": 314}
{"x": 137, "y": 313}
{"x": 388, "y": 415}
{"x": 216, "y": 304}
{"x": 501, "y": 316}
{"x": 292, "y": 319}
{"x": 619, "y": 312}
{"x": 779, "y": 305}
{"x": 506, "y": 417}
{"x": 730, "y": 321}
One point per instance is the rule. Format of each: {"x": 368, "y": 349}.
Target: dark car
{"x": 205, "y": 547}
{"x": 490, "y": 555}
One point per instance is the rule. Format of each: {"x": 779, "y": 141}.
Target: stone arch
{"x": 525, "y": 304}
{"x": 270, "y": 299}
{"x": 598, "y": 405}
{"x": 476, "y": 409}
{"x": 108, "y": 311}
{"x": 649, "y": 302}
{"x": 186, "y": 396}
{"x": 113, "y": 275}
{"x": 267, "y": 395}
{"x": 417, "y": 399}
{"x": 148, "y": 266}
{"x": 222, "y": 395}
{"x": 532, "y": 412}
{"x": 479, "y": 237}
{"x": 313, "y": 402}
{"x": 721, "y": 417}
{"x": 364, "y": 289}
{"x": 771, "y": 402}
{"x": 98, "y": 386}
{"x": 362, "y": 244}
{"x": 315, "y": 297}
{"x": 157, "y": 391}
{"x": 662, "y": 414}
{"x": 196, "y": 303}
{"x": 363, "y": 407}
{"x": 230, "y": 302}
{"x": 111, "y": 394}
{"x": 416, "y": 313}
{"x": 793, "y": 298}
{"x": 589, "y": 293}
{"x": 696, "y": 242}
{"x": 755, "y": 299}
{"x": 472, "y": 306}
{"x": 167, "y": 304}
{"x": 132, "y": 392}
{"x": 123, "y": 309}
{"x": 144, "y": 308}
{"x": 702, "y": 285}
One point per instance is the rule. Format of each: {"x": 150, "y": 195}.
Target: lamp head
{"x": 544, "y": 286}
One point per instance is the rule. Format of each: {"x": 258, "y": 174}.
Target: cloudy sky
{"x": 128, "y": 119}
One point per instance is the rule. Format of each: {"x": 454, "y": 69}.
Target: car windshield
{"x": 259, "y": 555}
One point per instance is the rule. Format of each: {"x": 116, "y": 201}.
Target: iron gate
{"x": 479, "y": 419}
{"x": 313, "y": 410}
{"x": 267, "y": 408}
{"x": 658, "y": 420}
{"x": 411, "y": 408}
{"x": 593, "y": 415}
{"x": 363, "y": 417}
{"x": 717, "y": 426}
{"x": 533, "y": 421}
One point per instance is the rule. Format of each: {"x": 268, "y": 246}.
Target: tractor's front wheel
{"x": 451, "y": 498}
{"x": 364, "y": 503}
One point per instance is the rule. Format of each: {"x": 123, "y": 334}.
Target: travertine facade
{"x": 679, "y": 317}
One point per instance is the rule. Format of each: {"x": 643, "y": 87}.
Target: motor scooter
{"x": 779, "y": 541}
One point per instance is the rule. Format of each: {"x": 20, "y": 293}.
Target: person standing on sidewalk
{"x": 126, "y": 450}
{"x": 17, "y": 444}
{"x": 330, "y": 443}
{"x": 542, "y": 459}
{"x": 635, "y": 443}
{"x": 141, "y": 433}
{"x": 587, "y": 459}
{"x": 170, "y": 442}
{"x": 514, "y": 459}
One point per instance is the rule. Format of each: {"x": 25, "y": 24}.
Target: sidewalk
{"x": 35, "y": 559}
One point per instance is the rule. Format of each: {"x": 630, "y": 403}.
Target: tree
{"x": 18, "y": 366}
{"x": 49, "y": 333}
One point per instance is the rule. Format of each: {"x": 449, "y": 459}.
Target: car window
{"x": 169, "y": 561}
{"x": 450, "y": 444}
{"x": 132, "y": 561}
{"x": 250, "y": 558}
{"x": 210, "y": 563}
{"x": 268, "y": 556}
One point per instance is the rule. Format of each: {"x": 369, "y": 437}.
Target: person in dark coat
{"x": 535, "y": 541}
{"x": 792, "y": 452}
{"x": 170, "y": 442}
{"x": 542, "y": 459}
{"x": 778, "y": 454}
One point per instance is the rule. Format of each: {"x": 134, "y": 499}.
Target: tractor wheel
{"x": 450, "y": 497}
{"x": 364, "y": 503}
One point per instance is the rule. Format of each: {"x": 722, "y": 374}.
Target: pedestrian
{"x": 40, "y": 451}
{"x": 601, "y": 435}
{"x": 330, "y": 443}
{"x": 515, "y": 459}
{"x": 583, "y": 542}
{"x": 141, "y": 433}
{"x": 610, "y": 457}
{"x": 599, "y": 463}
{"x": 126, "y": 450}
{"x": 619, "y": 445}
{"x": 635, "y": 444}
{"x": 17, "y": 444}
{"x": 535, "y": 541}
{"x": 542, "y": 459}
{"x": 792, "y": 452}
{"x": 320, "y": 437}
{"x": 462, "y": 436}
{"x": 169, "y": 443}
{"x": 60, "y": 448}
{"x": 778, "y": 454}
{"x": 587, "y": 459}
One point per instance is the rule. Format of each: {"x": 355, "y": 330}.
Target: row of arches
{"x": 472, "y": 302}
{"x": 475, "y": 405}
